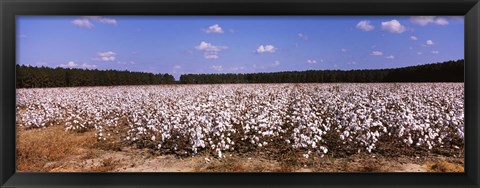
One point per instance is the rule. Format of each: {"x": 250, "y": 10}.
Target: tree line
{"x": 449, "y": 71}
{"x": 33, "y": 77}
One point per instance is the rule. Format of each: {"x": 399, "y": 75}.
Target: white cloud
{"x": 303, "y": 36}
{"x": 441, "y": 21}
{"x": 365, "y": 25}
{"x": 83, "y": 23}
{"x": 422, "y": 20}
{"x": 390, "y": 57}
{"x": 429, "y": 42}
{"x": 376, "y": 53}
{"x": 108, "y": 21}
{"x": 72, "y": 64}
{"x": 413, "y": 38}
{"x": 238, "y": 68}
{"x": 89, "y": 66}
{"x": 419, "y": 53}
{"x": 209, "y": 51}
{"x": 393, "y": 26}
{"x": 106, "y": 56}
{"x": 312, "y": 61}
{"x": 344, "y": 50}
{"x": 214, "y": 29}
{"x": 86, "y": 21}
{"x": 425, "y": 20}
{"x": 69, "y": 64}
{"x": 435, "y": 52}
{"x": 267, "y": 48}
{"x": 217, "y": 67}
{"x": 176, "y": 68}
{"x": 276, "y": 63}
{"x": 211, "y": 56}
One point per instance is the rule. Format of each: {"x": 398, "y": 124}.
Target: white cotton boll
{"x": 410, "y": 141}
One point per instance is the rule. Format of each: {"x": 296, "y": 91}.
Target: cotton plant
{"x": 310, "y": 118}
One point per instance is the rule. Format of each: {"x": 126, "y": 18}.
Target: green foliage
{"x": 34, "y": 77}
{"x": 450, "y": 71}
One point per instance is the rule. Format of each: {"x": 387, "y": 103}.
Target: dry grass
{"x": 89, "y": 154}
{"x": 112, "y": 145}
{"x": 37, "y": 147}
{"x": 107, "y": 165}
{"x": 239, "y": 164}
{"x": 227, "y": 165}
{"x": 444, "y": 166}
{"x": 286, "y": 167}
{"x": 43, "y": 150}
{"x": 370, "y": 166}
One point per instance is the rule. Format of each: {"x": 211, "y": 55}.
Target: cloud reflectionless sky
{"x": 237, "y": 44}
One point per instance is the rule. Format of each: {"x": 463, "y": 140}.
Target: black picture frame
{"x": 11, "y": 8}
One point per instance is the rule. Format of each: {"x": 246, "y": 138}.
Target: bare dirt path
{"x": 143, "y": 160}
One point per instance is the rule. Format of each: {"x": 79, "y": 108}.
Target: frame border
{"x": 11, "y": 8}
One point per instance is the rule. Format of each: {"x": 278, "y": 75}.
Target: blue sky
{"x": 237, "y": 44}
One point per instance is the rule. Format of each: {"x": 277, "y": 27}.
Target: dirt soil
{"x": 143, "y": 160}
{"x": 91, "y": 158}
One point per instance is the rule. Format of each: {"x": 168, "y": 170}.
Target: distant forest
{"x": 450, "y": 71}
{"x": 32, "y": 77}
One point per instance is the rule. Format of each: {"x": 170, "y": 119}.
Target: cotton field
{"x": 311, "y": 119}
